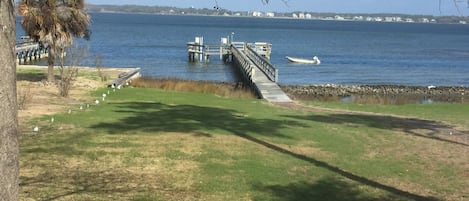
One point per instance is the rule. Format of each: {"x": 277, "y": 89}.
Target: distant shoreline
{"x": 283, "y": 17}
{"x": 266, "y": 14}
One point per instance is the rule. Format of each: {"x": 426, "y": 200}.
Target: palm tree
{"x": 54, "y": 22}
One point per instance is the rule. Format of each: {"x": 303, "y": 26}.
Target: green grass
{"x": 447, "y": 112}
{"x": 30, "y": 70}
{"x": 31, "y": 74}
{"x": 150, "y": 144}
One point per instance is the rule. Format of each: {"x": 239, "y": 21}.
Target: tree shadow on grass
{"x": 33, "y": 77}
{"x": 157, "y": 117}
{"x": 339, "y": 171}
{"x": 85, "y": 183}
{"x": 324, "y": 189}
{"x": 417, "y": 127}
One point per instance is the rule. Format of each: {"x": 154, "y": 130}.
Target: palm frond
{"x": 55, "y": 20}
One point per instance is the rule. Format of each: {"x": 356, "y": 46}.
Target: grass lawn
{"x": 150, "y": 144}
{"x": 449, "y": 113}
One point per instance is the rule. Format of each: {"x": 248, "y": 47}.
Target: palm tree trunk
{"x": 50, "y": 67}
{"x": 9, "y": 166}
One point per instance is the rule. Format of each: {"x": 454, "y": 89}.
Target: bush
{"x": 24, "y": 97}
{"x": 218, "y": 88}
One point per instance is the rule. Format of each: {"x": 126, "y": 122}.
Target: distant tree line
{"x": 154, "y": 9}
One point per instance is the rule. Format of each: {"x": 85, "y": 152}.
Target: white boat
{"x": 315, "y": 60}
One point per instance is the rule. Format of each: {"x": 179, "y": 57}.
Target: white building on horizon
{"x": 358, "y": 18}
{"x": 301, "y": 15}
{"x": 270, "y": 14}
{"x": 410, "y": 20}
{"x": 338, "y": 17}
{"x": 425, "y": 20}
{"x": 257, "y": 14}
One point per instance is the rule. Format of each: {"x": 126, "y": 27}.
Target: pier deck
{"x": 267, "y": 89}
{"x": 264, "y": 75}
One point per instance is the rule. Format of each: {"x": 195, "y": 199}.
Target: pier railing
{"x": 134, "y": 73}
{"x": 238, "y": 45}
{"x": 201, "y": 52}
{"x": 264, "y": 65}
{"x": 28, "y": 47}
{"x": 243, "y": 62}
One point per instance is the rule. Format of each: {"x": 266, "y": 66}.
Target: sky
{"x": 427, "y": 7}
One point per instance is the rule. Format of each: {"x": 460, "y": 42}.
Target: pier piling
{"x": 29, "y": 50}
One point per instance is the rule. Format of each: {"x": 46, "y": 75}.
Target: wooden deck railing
{"x": 264, "y": 65}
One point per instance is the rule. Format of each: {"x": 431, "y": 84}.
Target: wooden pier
{"x": 28, "y": 50}
{"x": 125, "y": 77}
{"x": 252, "y": 60}
{"x": 198, "y": 51}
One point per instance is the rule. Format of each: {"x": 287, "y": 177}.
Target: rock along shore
{"x": 347, "y": 90}
{"x": 443, "y": 93}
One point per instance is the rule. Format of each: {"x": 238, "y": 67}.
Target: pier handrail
{"x": 212, "y": 49}
{"x": 26, "y": 47}
{"x": 239, "y": 45}
{"x": 207, "y": 49}
{"x": 244, "y": 61}
{"x": 195, "y": 47}
{"x": 268, "y": 68}
{"x": 124, "y": 77}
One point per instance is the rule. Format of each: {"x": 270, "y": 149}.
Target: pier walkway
{"x": 252, "y": 60}
{"x": 269, "y": 90}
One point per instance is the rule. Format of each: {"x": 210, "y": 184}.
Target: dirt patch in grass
{"x": 150, "y": 172}
{"x": 159, "y": 166}
{"x": 131, "y": 172}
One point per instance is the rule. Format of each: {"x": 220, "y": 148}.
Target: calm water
{"x": 351, "y": 52}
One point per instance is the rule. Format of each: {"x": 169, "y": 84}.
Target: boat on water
{"x": 315, "y": 60}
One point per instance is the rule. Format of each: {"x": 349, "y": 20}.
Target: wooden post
{"x": 25, "y": 57}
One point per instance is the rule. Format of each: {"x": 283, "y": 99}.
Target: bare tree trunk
{"x": 50, "y": 62}
{"x": 9, "y": 165}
